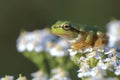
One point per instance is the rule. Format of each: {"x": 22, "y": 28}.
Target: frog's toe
{"x": 99, "y": 44}
{"x": 101, "y": 41}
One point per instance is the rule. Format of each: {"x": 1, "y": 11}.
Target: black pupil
{"x": 66, "y": 26}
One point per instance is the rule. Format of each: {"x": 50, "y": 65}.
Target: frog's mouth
{"x": 65, "y": 35}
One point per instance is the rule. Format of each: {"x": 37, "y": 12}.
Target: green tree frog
{"x": 80, "y": 36}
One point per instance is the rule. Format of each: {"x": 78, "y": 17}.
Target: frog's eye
{"x": 66, "y": 26}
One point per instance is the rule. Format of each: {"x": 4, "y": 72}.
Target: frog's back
{"x": 86, "y": 28}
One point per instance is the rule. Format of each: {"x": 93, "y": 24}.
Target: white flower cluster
{"x": 42, "y": 40}
{"x": 21, "y": 77}
{"x": 36, "y": 40}
{"x": 74, "y": 52}
{"x": 59, "y": 74}
{"x": 97, "y": 62}
{"x": 7, "y": 78}
{"x": 39, "y": 75}
{"x": 100, "y": 77}
{"x": 114, "y": 33}
{"x": 59, "y": 48}
{"x": 12, "y": 78}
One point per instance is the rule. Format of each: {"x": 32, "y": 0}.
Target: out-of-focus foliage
{"x": 49, "y": 54}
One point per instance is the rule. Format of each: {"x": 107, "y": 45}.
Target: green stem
{"x": 83, "y": 78}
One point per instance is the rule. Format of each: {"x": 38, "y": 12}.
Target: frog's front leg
{"x": 84, "y": 42}
{"x": 101, "y": 41}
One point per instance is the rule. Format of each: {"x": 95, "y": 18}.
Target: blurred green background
{"x": 35, "y": 14}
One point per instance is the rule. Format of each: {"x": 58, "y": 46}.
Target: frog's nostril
{"x": 56, "y": 26}
{"x": 53, "y": 26}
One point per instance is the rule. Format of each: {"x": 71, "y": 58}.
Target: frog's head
{"x": 65, "y": 29}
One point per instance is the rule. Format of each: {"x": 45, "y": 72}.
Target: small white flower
{"x": 83, "y": 59}
{"x": 114, "y": 33}
{"x": 84, "y": 70}
{"x": 63, "y": 43}
{"x": 7, "y": 78}
{"x": 117, "y": 72}
{"x": 72, "y": 53}
{"x": 30, "y": 46}
{"x": 80, "y": 75}
{"x": 107, "y": 60}
{"x": 21, "y": 77}
{"x": 58, "y": 51}
{"x": 98, "y": 56}
{"x": 91, "y": 54}
{"x": 111, "y": 51}
{"x": 39, "y": 75}
{"x": 59, "y": 74}
{"x": 94, "y": 54}
{"x": 102, "y": 65}
{"x": 88, "y": 50}
{"x": 84, "y": 74}
{"x": 93, "y": 72}
{"x": 100, "y": 50}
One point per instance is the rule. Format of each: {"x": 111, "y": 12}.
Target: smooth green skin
{"x": 89, "y": 31}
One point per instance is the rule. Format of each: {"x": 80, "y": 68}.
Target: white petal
{"x": 30, "y": 47}
{"x": 80, "y": 75}
{"x": 73, "y": 53}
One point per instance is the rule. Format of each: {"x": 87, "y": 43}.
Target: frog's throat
{"x": 78, "y": 38}
{"x": 66, "y": 36}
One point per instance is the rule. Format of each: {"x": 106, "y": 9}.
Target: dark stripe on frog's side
{"x": 75, "y": 30}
